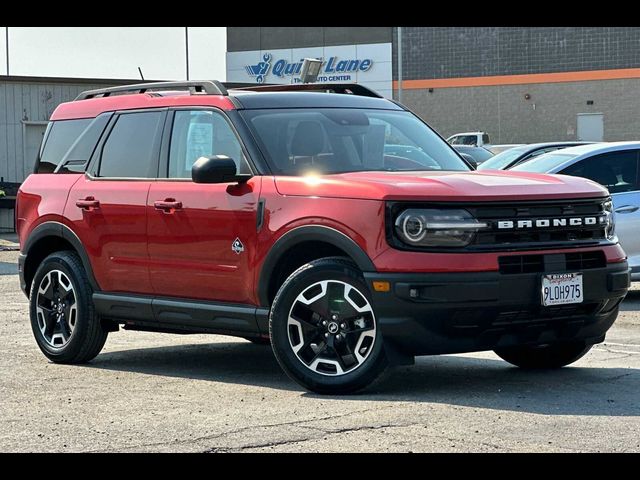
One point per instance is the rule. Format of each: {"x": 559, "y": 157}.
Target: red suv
{"x": 288, "y": 214}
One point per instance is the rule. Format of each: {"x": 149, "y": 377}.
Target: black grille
{"x": 547, "y": 236}
{"x": 565, "y": 262}
{"x": 521, "y": 264}
{"x": 586, "y": 260}
{"x": 494, "y": 238}
{"x": 492, "y": 214}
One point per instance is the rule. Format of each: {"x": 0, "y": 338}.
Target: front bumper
{"x": 438, "y": 313}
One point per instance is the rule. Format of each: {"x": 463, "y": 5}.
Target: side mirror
{"x": 469, "y": 159}
{"x": 216, "y": 169}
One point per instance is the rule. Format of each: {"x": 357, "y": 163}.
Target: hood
{"x": 441, "y": 186}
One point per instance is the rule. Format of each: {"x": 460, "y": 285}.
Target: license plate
{"x": 562, "y": 288}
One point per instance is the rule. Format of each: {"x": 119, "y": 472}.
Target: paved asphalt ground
{"x": 197, "y": 393}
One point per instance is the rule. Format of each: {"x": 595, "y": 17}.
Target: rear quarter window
{"x": 60, "y": 136}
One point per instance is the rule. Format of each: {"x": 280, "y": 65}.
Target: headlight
{"x": 436, "y": 228}
{"x": 608, "y": 220}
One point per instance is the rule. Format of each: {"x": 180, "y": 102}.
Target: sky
{"x": 114, "y": 52}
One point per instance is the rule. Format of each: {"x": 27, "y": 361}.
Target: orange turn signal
{"x": 381, "y": 286}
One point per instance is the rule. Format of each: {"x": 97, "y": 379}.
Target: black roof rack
{"x": 210, "y": 87}
{"x": 346, "y": 88}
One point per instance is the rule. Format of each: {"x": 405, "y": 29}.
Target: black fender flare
{"x": 57, "y": 229}
{"x": 306, "y": 233}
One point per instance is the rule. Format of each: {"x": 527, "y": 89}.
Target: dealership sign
{"x": 333, "y": 69}
{"x": 367, "y": 64}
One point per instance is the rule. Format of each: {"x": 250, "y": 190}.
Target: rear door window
{"x": 131, "y": 150}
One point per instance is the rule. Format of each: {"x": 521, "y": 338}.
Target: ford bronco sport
{"x": 274, "y": 213}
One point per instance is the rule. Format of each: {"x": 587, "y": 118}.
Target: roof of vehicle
{"x": 532, "y": 147}
{"x": 254, "y": 100}
{"x": 561, "y": 159}
{"x": 514, "y": 156}
{"x": 536, "y": 146}
{"x": 91, "y": 103}
{"x": 602, "y": 147}
{"x": 467, "y": 133}
{"x": 470, "y": 147}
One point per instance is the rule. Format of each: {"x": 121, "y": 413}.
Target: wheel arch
{"x": 297, "y": 237}
{"x": 49, "y": 237}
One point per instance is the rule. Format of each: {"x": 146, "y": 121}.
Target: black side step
{"x": 181, "y": 314}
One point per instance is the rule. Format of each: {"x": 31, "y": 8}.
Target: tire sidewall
{"x": 278, "y": 328}
{"x": 83, "y": 297}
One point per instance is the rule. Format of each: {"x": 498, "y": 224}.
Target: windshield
{"x": 301, "y": 141}
{"x": 503, "y": 159}
{"x": 544, "y": 163}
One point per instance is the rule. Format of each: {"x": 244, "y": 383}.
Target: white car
{"x": 474, "y": 139}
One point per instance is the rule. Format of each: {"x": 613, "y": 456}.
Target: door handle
{"x": 626, "y": 209}
{"x": 168, "y": 205}
{"x": 87, "y": 203}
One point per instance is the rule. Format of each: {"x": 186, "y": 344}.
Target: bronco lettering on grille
{"x": 548, "y": 222}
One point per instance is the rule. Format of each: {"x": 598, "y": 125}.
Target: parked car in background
{"x": 474, "y": 139}
{"x": 479, "y": 154}
{"x": 410, "y": 152}
{"x": 613, "y": 165}
{"x": 496, "y": 149}
{"x": 514, "y": 156}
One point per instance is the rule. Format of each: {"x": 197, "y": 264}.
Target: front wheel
{"x": 323, "y": 328}
{"x": 555, "y": 355}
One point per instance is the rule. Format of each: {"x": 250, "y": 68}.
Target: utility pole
{"x": 186, "y": 44}
{"x": 6, "y": 32}
{"x": 399, "y": 29}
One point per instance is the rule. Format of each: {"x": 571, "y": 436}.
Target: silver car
{"x": 614, "y": 165}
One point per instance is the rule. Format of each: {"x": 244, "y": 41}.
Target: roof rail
{"x": 246, "y": 85}
{"x": 209, "y": 87}
{"x": 346, "y": 88}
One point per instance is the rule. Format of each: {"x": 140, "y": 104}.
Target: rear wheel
{"x": 63, "y": 318}
{"x": 555, "y": 355}
{"x": 324, "y": 331}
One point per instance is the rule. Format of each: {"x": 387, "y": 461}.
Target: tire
{"x": 341, "y": 355}
{"x": 259, "y": 340}
{"x": 78, "y": 336}
{"x": 551, "y": 356}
